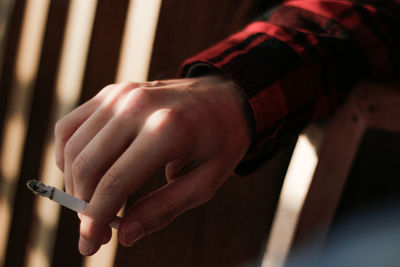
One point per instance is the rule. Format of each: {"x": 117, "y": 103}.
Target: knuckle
{"x": 79, "y": 166}
{"x": 109, "y": 184}
{"x": 71, "y": 148}
{"x": 156, "y": 83}
{"x": 60, "y": 129}
{"x": 164, "y": 212}
{"x": 140, "y": 94}
{"x": 128, "y": 84}
{"x": 153, "y": 122}
{"x": 105, "y": 91}
{"x": 203, "y": 197}
{"x": 91, "y": 228}
{"x": 164, "y": 119}
{"x": 60, "y": 162}
{"x": 204, "y": 193}
{"x": 135, "y": 101}
{"x": 107, "y": 88}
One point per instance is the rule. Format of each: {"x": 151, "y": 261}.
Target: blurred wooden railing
{"x": 54, "y": 55}
{"x": 323, "y": 167}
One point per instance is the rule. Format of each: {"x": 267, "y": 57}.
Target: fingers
{"x": 66, "y": 126}
{"x": 78, "y": 141}
{"x": 162, "y": 206}
{"x": 86, "y": 246}
{"x": 98, "y": 156}
{"x": 147, "y": 152}
{"x": 98, "y": 117}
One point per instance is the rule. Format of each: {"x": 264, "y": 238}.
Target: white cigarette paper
{"x": 63, "y": 199}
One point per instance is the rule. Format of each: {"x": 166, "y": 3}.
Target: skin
{"x": 108, "y": 147}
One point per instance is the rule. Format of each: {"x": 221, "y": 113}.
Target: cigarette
{"x": 64, "y": 199}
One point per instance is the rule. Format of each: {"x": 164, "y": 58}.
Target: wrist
{"x": 231, "y": 109}
{"x": 239, "y": 97}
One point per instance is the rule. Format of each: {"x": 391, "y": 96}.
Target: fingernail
{"x": 85, "y": 248}
{"x": 134, "y": 232}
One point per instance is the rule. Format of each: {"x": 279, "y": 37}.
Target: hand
{"x": 110, "y": 145}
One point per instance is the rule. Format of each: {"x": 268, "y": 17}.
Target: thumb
{"x": 162, "y": 206}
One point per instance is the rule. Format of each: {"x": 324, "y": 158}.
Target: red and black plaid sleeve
{"x": 298, "y": 61}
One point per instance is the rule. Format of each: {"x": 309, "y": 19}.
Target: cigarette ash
{"x": 38, "y": 187}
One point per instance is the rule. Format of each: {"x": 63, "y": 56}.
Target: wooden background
{"x": 230, "y": 230}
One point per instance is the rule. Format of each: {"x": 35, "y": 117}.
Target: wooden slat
{"x": 368, "y": 105}
{"x": 68, "y": 86}
{"x": 21, "y": 84}
{"x": 38, "y": 125}
{"x": 100, "y": 71}
{"x": 294, "y": 191}
{"x": 137, "y": 46}
{"x": 105, "y": 46}
{"x": 12, "y": 36}
{"x": 6, "y": 8}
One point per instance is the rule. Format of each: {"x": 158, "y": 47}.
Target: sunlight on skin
{"x": 157, "y": 119}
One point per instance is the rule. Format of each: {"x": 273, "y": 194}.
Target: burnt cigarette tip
{"x": 31, "y": 184}
{"x": 37, "y": 187}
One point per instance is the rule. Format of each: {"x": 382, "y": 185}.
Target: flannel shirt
{"x": 296, "y": 63}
